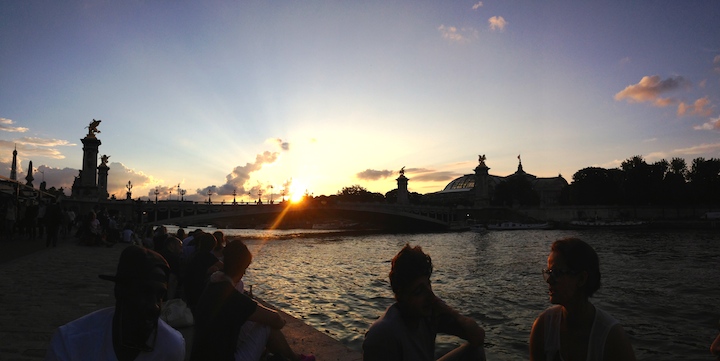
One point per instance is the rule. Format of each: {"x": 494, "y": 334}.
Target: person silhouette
{"x": 132, "y": 330}
{"x": 574, "y": 329}
{"x": 407, "y": 330}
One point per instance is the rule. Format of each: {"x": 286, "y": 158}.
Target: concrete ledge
{"x": 302, "y": 338}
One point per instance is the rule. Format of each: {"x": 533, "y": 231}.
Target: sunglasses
{"x": 557, "y": 273}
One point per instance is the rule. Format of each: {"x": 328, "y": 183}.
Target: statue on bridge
{"x": 104, "y": 159}
{"x": 402, "y": 170}
{"x": 92, "y": 128}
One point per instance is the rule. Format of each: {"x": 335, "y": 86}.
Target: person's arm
{"x": 453, "y": 323}
{"x": 268, "y": 317}
{"x": 537, "y": 340}
{"x": 715, "y": 347}
{"x": 617, "y": 345}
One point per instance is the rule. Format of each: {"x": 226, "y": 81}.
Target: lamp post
{"x": 129, "y": 188}
{"x": 260, "y": 192}
{"x": 271, "y": 194}
{"x": 156, "y": 194}
{"x": 170, "y": 194}
{"x": 234, "y": 193}
{"x": 182, "y": 195}
{"x": 178, "y": 189}
{"x": 209, "y": 193}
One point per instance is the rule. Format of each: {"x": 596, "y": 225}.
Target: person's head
{"x": 180, "y": 233}
{"x": 140, "y": 283}
{"x": 410, "y": 280}
{"x": 236, "y": 259}
{"x": 220, "y": 238}
{"x": 573, "y": 270}
{"x": 160, "y": 231}
{"x": 205, "y": 242}
{"x": 173, "y": 244}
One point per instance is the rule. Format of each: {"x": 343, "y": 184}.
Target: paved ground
{"x": 43, "y": 288}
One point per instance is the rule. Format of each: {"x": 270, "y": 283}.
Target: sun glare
{"x": 297, "y": 192}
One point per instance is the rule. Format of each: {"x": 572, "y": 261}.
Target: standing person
{"x": 222, "y": 310}
{"x": 132, "y": 330}
{"x": 53, "y": 219}
{"x": 10, "y": 217}
{"x": 574, "y": 329}
{"x": 407, "y": 330}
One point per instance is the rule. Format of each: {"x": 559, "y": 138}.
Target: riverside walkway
{"x": 43, "y": 288}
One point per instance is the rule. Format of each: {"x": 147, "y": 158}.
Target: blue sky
{"x": 319, "y": 95}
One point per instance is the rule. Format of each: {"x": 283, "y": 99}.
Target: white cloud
{"x": 649, "y": 89}
{"x": 457, "y": 35}
{"x": 5, "y": 126}
{"x": 478, "y": 5}
{"x": 712, "y": 124}
{"x": 497, "y": 23}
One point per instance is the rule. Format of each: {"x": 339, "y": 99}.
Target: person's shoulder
{"x": 89, "y": 322}
{"x": 387, "y": 325}
{"x": 170, "y": 335}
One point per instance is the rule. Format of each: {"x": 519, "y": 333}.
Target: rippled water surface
{"x": 663, "y": 286}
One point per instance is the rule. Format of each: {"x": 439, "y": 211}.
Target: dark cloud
{"x": 280, "y": 143}
{"x": 372, "y": 174}
{"x": 435, "y": 177}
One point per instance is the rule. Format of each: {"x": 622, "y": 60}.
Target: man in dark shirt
{"x": 222, "y": 310}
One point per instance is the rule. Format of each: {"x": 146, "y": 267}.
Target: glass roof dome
{"x": 463, "y": 183}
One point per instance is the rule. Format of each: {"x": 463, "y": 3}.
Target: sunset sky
{"x": 319, "y": 95}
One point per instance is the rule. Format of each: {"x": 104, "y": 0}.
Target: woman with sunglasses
{"x": 574, "y": 329}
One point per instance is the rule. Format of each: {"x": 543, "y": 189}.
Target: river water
{"x": 663, "y": 286}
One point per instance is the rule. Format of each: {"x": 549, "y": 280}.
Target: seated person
{"x": 132, "y": 330}
{"x": 407, "y": 330}
{"x": 222, "y": 311}
{"x": 574, "y": 329}
{"x": 201, "y": 265}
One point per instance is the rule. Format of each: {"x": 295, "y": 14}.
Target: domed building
{"x": 482, "y": 189}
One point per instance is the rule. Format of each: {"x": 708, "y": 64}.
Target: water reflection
{"x": 661, "y": 285}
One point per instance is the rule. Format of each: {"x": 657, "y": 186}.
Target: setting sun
{"x": 297, "y": 192}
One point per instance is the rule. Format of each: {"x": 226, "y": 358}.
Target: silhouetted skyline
{"x": 319, "y": 96}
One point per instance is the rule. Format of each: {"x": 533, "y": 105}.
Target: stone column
{"x": 102, "y": 181}
{"x": 402, "y": 183}
{"x": 88, "y": 175}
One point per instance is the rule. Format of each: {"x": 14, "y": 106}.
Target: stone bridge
{"x": 290, "y": 215}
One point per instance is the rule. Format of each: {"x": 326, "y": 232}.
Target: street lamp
{"x": 209, "y": 193}
{"x": 234, "y": 193}
{"x": 129, "y": 188}
{"x": 260, "y": 192}
{"x": 271, "y": 194}
{"x": 156, "y": 194}
{"x": 182, "y": 195}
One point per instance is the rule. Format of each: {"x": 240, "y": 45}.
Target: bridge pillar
{"x": 402, "y": 194}
{"x": 482, "y": 195}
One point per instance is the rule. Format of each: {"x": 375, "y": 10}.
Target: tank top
{"x": 598, "y": 334}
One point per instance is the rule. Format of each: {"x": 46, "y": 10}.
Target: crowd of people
{"x": 35, "y": 219}
{"x": 201, "y": 269}
{"x": 206, "y": 271}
